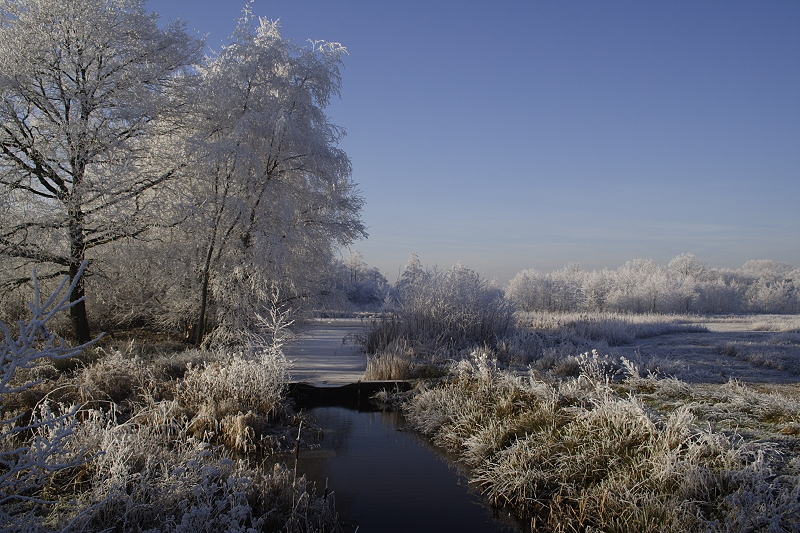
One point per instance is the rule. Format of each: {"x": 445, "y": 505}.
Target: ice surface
{"x": 326, "y": 355}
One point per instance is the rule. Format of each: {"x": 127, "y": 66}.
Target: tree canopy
{"x": 114, "y": 131}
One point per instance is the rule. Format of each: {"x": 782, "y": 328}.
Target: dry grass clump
{"x": 400, "y": 361}
{"x": 235, "y": 399}
{"x": 130, "y": 373}
{"x": 588, "y": 455}
{"x": 735, "y": 405}
{"x": 117, "y": 377}
{"x": 781, "y": 323}
{"x": 152, "y": 452}
{"x": 388, "y": 365}
{"x": 175, "y": 464}
{"x": 151, "y": 476}
{"x": 612, "y": 328}
{"x": 235, "y": 382}
{"x": 778, "y": 352}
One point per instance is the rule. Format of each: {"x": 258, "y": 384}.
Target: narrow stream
{"x": 385, "y": 480}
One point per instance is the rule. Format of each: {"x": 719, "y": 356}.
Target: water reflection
{"x": 385, "y": 480}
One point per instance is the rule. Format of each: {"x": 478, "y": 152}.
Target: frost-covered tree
{"x": 687, "y": 285}
{"x": 364, "y": 287}
{"x": 639, "y": 286}
{"x": 597, "y": 285}
{"x": 566, "y": 288}
{"x": 687, "y": 265}
{"x": 771, "y": 288}
{"x": 271, "y": 197}
{"x": 525, "y": 290}
{"x": 85, "y": 106}
{"x": 561, "y": 290}
{"x": 413, "y": 274}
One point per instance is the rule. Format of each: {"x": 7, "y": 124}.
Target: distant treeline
{"x": 685, "y": 285}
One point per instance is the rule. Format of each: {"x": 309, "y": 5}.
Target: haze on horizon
{"x": 511, "y": 135}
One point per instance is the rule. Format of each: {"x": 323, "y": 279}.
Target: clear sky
{"x": 507, "y": 135}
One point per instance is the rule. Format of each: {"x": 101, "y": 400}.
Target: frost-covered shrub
{"x": 451, "y": 309}
{"x": 33, "y": 449}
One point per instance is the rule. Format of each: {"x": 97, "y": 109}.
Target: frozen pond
{"x": 325, "y": 354}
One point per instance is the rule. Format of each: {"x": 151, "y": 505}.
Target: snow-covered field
{"x": 749, "y": 348}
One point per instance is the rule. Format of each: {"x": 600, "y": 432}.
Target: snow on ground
{"x": 325, "y": 353}
{"x": 734, "y": 347}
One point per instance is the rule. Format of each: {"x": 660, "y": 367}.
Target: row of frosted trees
{"x": 685, "y": 285}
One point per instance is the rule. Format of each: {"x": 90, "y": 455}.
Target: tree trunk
{"x": 80, "y": 322}
{"x": 199, "y": 330}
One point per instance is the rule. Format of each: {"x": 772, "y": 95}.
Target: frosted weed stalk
{"x": 33, "y": 451}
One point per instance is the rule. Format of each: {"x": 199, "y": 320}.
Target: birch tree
{"x": 85, "y": 103}
{"x": 273, "y": 198}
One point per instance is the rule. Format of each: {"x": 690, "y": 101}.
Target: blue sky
{"x": 507, "y": 135}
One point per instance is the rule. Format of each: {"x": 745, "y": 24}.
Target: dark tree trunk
{"x": 199, "y": 330}
{"x": 80, "y": 322}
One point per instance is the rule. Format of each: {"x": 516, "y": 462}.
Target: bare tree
{"x": 85, "y": 88}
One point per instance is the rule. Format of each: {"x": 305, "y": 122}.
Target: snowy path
{"x": 319, "y": 357}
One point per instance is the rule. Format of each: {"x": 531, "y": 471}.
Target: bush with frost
{"x": 33, "y": 448}
{"x": 442, "y": 312}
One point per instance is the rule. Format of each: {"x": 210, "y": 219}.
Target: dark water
{"x": 385, "y": 480}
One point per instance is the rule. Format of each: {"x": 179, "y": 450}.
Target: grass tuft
{"x": 590, "y": 454}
